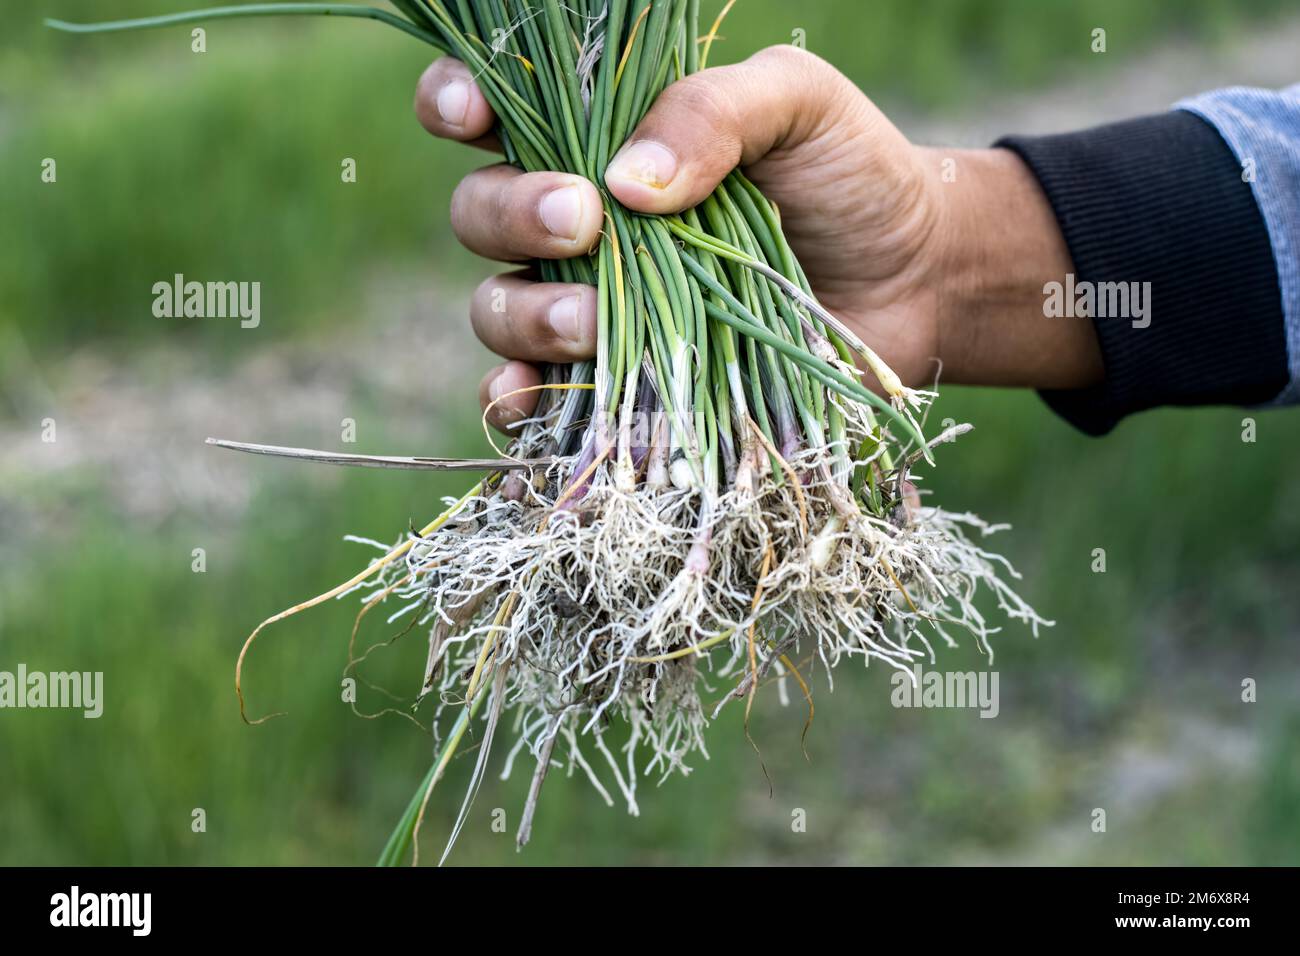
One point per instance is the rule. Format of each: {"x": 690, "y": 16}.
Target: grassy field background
{"x": 227, "y": 165}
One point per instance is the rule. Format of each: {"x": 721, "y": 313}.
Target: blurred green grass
{"x": 228, "y": 164}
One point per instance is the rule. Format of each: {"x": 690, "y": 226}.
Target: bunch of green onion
{"x": 720, "y": 488}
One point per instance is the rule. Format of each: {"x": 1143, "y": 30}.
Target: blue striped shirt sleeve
{"x": 1262, "y": 128}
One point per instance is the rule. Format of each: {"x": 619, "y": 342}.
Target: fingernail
{"x": 648, "y": 163}
{"x": 565, "y": 322}
{"x": 497, "y": 387}
{"x": 453, "y": 102}
{"x": 561, "y": 212}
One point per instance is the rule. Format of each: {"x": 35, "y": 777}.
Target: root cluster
{"x": 635, "y": 606}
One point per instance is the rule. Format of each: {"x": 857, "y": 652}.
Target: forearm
{"x": 1003, "y": 247}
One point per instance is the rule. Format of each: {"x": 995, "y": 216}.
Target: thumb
{"x": 704, "y": 126}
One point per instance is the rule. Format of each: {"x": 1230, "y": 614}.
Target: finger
{"x": 449, "y": 104}
{"x": 535, "y": 321}
{"x": 497, "y": 387}
{"x": 502, "y": 213}
{"x": 704, "y": 126}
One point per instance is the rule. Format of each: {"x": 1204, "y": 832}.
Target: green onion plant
{"x": 723, "y": 495}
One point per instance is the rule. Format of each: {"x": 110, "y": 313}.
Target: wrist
{"x": 1001, "y": 246}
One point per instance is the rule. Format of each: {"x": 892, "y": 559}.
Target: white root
{"x": 628, "y": 605}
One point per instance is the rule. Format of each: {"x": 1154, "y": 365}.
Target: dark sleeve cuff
{"x": 1162, "y": 200}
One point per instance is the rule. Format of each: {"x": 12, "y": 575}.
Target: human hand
{"x": 934, "y": 272}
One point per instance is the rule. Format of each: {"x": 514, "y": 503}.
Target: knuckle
{"x": 517, "y": 217}
{"x": 779, "y": 53}
{"x": 485, "y": 386}
{"x": 482, "y": 306}
{"x": 493, "y": 296}
{"x": 706, "y": 102}
{"x": 816, "y": 88}
{"x": 461, "y": 200}
{"x": 481, "y": 211}
{"x": 494, "y": 314}
{"x": 787, "y": 64}
{"x": 798, "y": 64}
{"x": 422, "y": 96}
